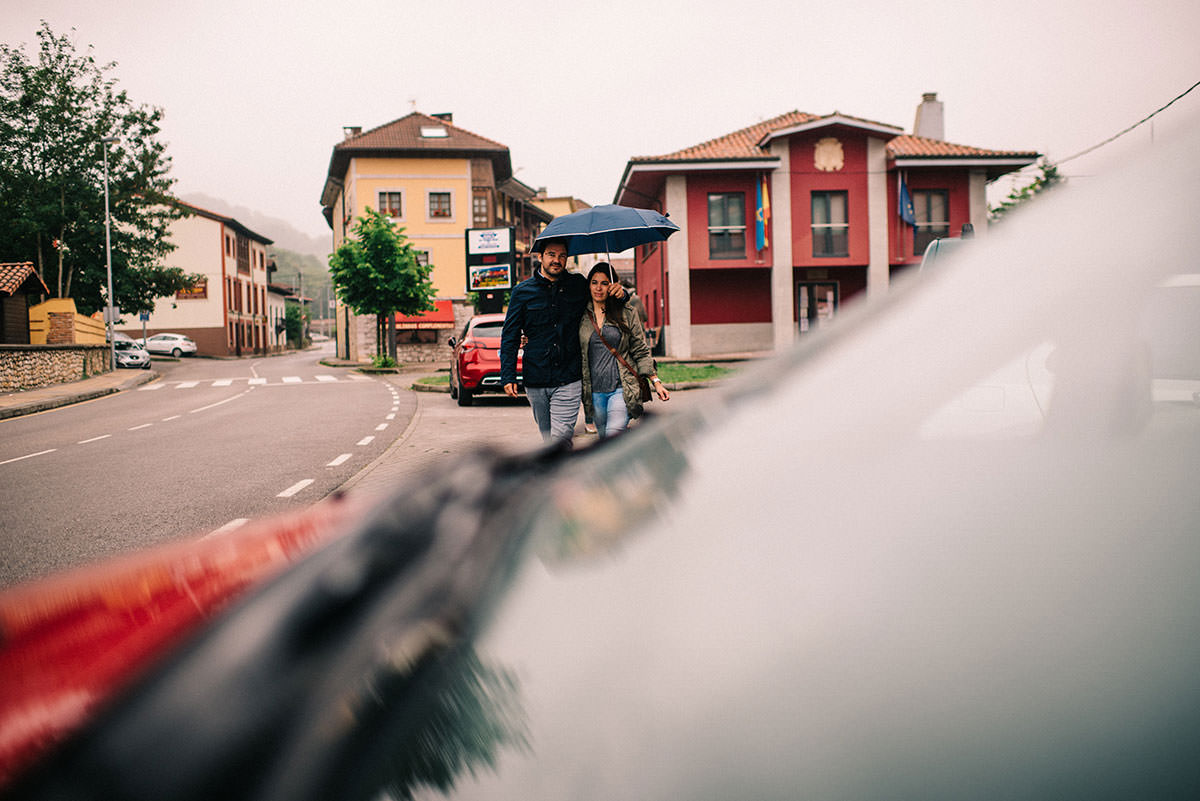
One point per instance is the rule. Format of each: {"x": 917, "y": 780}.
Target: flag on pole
{"x": 906, "y": 205}
{"x": 762, "y": 216}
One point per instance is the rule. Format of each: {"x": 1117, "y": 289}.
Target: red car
{"x": 475, "y": 365}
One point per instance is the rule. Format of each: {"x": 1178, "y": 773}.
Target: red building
{"x": 828, "y": 189}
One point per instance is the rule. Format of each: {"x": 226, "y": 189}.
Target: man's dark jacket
{"x": 548, "y": 313}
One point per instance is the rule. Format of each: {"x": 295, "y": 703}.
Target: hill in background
{"x": 296, "y": 253}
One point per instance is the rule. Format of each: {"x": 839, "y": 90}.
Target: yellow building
{"x": 434, "y": 180}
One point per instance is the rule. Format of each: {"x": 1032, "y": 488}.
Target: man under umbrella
{"x": 546, "y": 308}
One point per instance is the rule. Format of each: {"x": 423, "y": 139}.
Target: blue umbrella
{"x": 606, "y": 229}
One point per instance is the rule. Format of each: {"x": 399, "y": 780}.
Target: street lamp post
{"x": 112, "y": 345}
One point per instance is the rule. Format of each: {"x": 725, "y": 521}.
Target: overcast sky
{"x": 256, "y": 92}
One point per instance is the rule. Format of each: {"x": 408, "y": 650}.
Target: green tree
{"x": 376, "y": 272}
{"x": 1047, "y": 178}
{"x": 54, "y": 113}
{"x": 295, "y": 322}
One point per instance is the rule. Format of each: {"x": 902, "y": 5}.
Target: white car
{"x": 174, "y": 344}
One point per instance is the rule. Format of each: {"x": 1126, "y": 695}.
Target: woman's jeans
{"x": 609, "y": 412}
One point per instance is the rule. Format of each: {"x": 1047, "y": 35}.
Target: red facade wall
{"x": 731, "y": 296}
{"x": 900, "y": 235}
{"x": 699, "y": 185}
{"x": 852, "y": 179}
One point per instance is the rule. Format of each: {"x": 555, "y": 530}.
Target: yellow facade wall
{"x": 88, "y": 330}
{"x": 415, "y": 180}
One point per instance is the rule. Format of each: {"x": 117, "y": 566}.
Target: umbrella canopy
{"x": 606, "y": 229}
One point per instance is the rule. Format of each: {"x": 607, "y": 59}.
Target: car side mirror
{"x": 452, "y": 342}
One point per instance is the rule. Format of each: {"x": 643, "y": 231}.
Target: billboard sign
{"x": 490, "y": 258}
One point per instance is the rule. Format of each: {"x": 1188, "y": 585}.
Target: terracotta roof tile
{"x": 405, "y": 134}
{"x": 909, "y": 146}
{"x": 14, "y": 274}
{"x": 743, "y": 144}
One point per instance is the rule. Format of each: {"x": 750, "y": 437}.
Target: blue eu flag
{"x": 906, "y": 205}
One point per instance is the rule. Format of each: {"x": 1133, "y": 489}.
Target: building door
{"x": 816, "y": 303}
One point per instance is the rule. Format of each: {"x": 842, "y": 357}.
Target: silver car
{"x": 173, "y": 344}
{"x": 130, "y": 354}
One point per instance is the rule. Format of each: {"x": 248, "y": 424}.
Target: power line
{"x": 1127, "y": 130}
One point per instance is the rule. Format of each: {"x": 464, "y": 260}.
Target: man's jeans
{"x": 609, "y": 412}
{"x": 556, "y": 409}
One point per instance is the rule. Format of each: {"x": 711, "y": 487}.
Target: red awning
{"x": 441, "y": 317}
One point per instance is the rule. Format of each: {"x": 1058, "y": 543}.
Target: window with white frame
{"x": 931, "y": 207}
{"x": 391, "y": 204}
{"x": 726, "y": 225}
{"x": 479, "y": 211}
{"x": 830, "y": 224}
{"x": 440, "y": 206}
{"x": 422, "y": 257}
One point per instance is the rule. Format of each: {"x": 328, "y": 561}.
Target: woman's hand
{"x": 660, "y": 389}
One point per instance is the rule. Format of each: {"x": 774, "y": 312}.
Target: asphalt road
{"x": 209, "y": 444}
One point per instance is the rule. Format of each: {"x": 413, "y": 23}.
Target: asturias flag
{"x": 763, "y": 215}
{"x": 906, "y": 205}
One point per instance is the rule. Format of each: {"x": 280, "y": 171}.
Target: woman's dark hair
{"x": 614, "y": 310}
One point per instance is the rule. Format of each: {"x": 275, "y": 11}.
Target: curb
{"x": 33, "y": 407}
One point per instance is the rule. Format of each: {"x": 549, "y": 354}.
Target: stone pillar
{"x": 679, "y": 278}
{"x": 878, "y": 273}
{"x": 977, "y": 202}
{"x": 783, "y": 284}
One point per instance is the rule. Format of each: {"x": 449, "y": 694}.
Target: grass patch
{"x": 674, "y": 372}
{"x": 440, "y": 380}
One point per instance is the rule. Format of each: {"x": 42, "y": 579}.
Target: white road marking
{"x": 292, "y": 490}
{"x": 359, "y": 377}
{"x": 172, "y": 417}
{"x": 257, "y": 381}
{"x": 218, "y": 403}
{"x": 222, "y": 382}
{"x": 365, "y": 440}
{"x": 143, "y": 425}
{"x": 292, "y": 379}
{"x": 93, "y": 439}
{"x": 390, "y": 417}
{"x": 237, "y": 522}
{"x": 29, "y": 456}
{"x": 150, "y": 387}
{"x": 186, "y": 384}
{"x": 381, "y": 426}
{"x": 339, "y": 460}
{"x": 326, "y": 378}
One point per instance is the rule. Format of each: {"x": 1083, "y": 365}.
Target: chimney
{"x": 350, "y": 130}
{"x": 931, "y": 118}
{"x": 445, "y": 116}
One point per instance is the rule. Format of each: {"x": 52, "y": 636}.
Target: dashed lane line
{"x": 339, "y": 460}
{"x": 137, "y": 428}
{"x": 365, "y": 440}
{"x": 237, "y": 522}
{"x": 381, "y": 426}
{"x": 29, "y": 455}
{"x": 93, "y": 439}
{"x": 292, "y": 490}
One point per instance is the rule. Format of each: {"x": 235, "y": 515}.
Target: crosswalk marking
{"x": 186, "y": 384}
{"x": 257, "y": 381}
{"x": 325, "y": 377}
{"x": 292, "y": 379}
{"x": 222, "y": 382}
{"x": 319, "y": 378}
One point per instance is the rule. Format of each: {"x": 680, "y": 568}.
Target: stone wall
{"x": 33, "y": 366}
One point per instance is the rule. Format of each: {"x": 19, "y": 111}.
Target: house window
{"x": 932, "y": 210}
{"x": 422, "y": 257}
{"x": 391, "y": 204}
{"x": 439, "y": 206}
{"x": 830, "y": 225}
{"x": 726, "y": 225}
{"x": 479, "y": 211}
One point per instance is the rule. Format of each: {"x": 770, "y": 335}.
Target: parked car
{"x": 174, "y": 344}
{"x": 787, "y": 592}
{"x": 130, "y": 354}
{"x": 475, "y": 363}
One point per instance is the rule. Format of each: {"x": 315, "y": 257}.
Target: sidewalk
{"x": 30, "y": 401}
